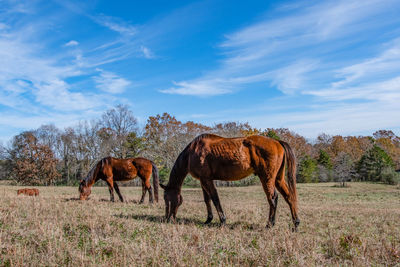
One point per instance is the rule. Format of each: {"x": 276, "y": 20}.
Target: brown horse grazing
{"x": 210, "y": 157}
{"x": 28, "y": 191}
{"x": 112, "y": 170}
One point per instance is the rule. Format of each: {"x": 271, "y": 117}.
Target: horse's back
{"x": 144, "y": 166}
{"x": 231, "y": 158}
{"x": 234, "y": 147}
{"x": 220, "y": 158}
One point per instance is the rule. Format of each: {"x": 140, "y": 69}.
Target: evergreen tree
{"x": 325, "y": 166}
{"x": 307, "y": 170}
{"x": 324, "y": 159}
{"x": 373, "y": 163}
{"x": 272, "y": 134}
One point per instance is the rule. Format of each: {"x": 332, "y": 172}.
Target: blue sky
{"x": 310, "y": 66}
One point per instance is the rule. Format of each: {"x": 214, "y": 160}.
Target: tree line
{"x": 52, "y": 156}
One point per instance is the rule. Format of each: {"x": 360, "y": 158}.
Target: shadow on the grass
{"x": 118, "y": 201}
{"x": 197, "y": 222}
{"x": 71, "y": 199}
{"x": 104, "y": 200}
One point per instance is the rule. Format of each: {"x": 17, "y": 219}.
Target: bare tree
{"x": 118, "y": 123}
{"x": 66, "y": 141}
{"x": 3, "y": 171}
{"x": 343, "y": 168}
{"x": 2, "y": 151}
{"x": 231, "y": 129}
{"x": 48, "y": 135}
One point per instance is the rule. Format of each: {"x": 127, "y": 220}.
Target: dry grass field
{"x": 359, "y": 225}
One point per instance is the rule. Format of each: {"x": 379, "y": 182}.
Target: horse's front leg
{"x": 207, "y": 200}
{"x": 118, "y": 192}
{"x": 110, "y": 184}
{"x": 212, "y": 191}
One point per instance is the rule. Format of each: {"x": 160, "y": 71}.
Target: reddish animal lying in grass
{"x": 28, "y": 191}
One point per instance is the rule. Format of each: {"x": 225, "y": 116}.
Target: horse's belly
{"x": 123, "y": 179}
{"x": 125, "y": 176}
{"x": 221, "y": 169}
{"x": 232, "y": 173}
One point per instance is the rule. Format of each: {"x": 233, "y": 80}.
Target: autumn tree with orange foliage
{"x": 32, "y": 163}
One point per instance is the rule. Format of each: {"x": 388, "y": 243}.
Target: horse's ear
{"x": 163, "y": 186}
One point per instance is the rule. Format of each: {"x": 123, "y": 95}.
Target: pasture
{"x": 358, "y": 225}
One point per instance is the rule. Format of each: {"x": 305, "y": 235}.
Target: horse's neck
{"x": 179, "y": 171}
{"x": 91, "y": 181}
{"x": 176, "y": 179}
{"x": 92, "y": 176}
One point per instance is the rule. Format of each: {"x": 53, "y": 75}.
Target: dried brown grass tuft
{"x": 358, "y": 225}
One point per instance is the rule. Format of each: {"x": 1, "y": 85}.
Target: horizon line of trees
{"x": 51, "y": 156}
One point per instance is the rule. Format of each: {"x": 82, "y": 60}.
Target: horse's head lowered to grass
{"x": 84, "y": 190}
{"x": 173, "y": 199}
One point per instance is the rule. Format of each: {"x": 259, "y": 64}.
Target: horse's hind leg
{"x": 118, "y": 192}
{"x": 212, "y": 192}
{"x": 207, "y": 200}
{"x": 284, "y": 190}
{"x": 148, "y": 188}
{"x": 143, "y": 192}
{"x": 272, "y": 197}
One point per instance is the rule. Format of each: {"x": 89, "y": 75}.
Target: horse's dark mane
{"x": 205, "y": 135}
{"x": 179, "y": 170}
{"x": 93, "y": 172}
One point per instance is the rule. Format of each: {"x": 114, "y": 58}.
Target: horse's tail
{"x": 156, "y": 180}
{"x": 290, "y": 159}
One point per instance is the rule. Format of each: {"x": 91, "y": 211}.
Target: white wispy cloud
{"x": 147, "y": 53}
{"x": 334, "y": 118}
{"x": 110, "y": 82}
{"x": 293, "y": 77}
{"x": 200, "y": 88}
{"x": 299, "y": 53}
{"x": 380, "y": 67}
{"x": 71, "y": 43}
{"x": 3, "y": 26}
{"x": 269, "y": 46}
{"x": 115, "y": 24}
{"x": 36, "y": 83}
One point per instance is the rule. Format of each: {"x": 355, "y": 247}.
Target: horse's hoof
{"x": 269, "y": 225}
{"x": 296, "y": 225}
{"x": 208, "y": 221}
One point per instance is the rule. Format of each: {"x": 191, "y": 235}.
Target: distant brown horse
{"x": 210, "y": 157}
{"x": 112, "y": 170}
{"x": 28, "y": 191}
